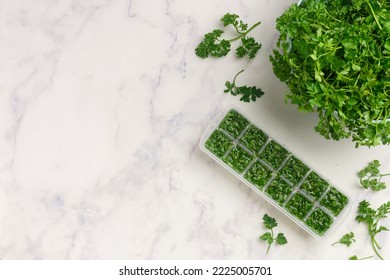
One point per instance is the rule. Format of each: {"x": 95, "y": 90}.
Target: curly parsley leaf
{"x": 371, "y": 218}
{"x": 233, "y": 19}
{"x": 215, "y": 46}
{"x": 270, "y": 223}
{"x": 247, "y": 93}
{"x": 371, "y": 177}
{"x": 347, "y": 239}
{"x": 249, "y": 47}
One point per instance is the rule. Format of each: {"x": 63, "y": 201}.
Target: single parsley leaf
{"x": 247, "y": 93}
{"x": 230, "y": 19}
{"x": 347, "y": 239}
{"x": 241, "y": 51}
{"x": 370, "y": 176}
{"x": 233, "y": 19}
{"x": 270, "y": 223}
{"x": 371, "y": 218}
{"x": 267, "y": 237}
{"x": 281, "y": 239}
{"x": 249, "y": 47}
{"x": 212, "y": 45}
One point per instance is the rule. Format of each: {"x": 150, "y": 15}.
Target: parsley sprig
{"x": 247, "y": 93}
{"x": 214, "y": 45}
{"x": 355, "y": 258}
{"x": 347, "y": 239}
{"x": 271, "y": 223}
{"x": 371, "y": 218}
{"x": 370, "y": 176}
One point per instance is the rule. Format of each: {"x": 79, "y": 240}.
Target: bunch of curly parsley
{"x": 335, "y": 58}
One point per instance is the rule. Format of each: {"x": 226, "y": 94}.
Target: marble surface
{"x": 102, "y": 106}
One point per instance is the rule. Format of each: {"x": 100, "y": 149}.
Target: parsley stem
{"x": 376, "y": 244}
{"x": 245, "y": 33}
{"x": 374, "y": 15}
{"x": 269, "y": 246}
{"x": 234, "y": 79}
{"x": 373, "y": 242}
{"x": 366, "y": 258}
{"x": 326, "y": 10}
{"x": 270, "y": 243}
{"x": 238, "y": 31}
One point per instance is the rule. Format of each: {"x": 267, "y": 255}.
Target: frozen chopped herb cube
{"x": 299, "y": 205}
{"x": 314, "y": 185}
{"x": 238, "y": 159}
{"x": 234, "y": 123}
{"x": 218, "y": 143}
{"x": 319, "y": 221}
{"x": 334, "y": 200}
{"x": 274, "y": 154}
{"x": 294, "y": 170}
{"x": 279, "y": 190}
{"x": 258, "y": 174}
{"x": 253, "y": 139}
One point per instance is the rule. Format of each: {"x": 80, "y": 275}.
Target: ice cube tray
{"x": 275, "y": 173}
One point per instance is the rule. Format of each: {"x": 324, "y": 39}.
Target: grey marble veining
{"x": 102, "y": 106}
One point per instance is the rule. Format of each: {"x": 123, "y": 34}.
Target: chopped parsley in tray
{"x": 278, "y": 175}
{"x": 258, "y": 174}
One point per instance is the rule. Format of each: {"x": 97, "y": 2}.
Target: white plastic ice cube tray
{"x": 272, "y": 171}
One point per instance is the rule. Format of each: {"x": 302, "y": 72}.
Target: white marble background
{"x": 103, "y": 103}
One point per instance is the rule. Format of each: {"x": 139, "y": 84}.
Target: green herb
{"x": 258, "y": 174}
{"x": 355, "y": 258}
{"x": 294, "y": 170}
{"x": 279, "y": 190}
{"x": 274, "y": 154}
{"x": 314, "y": 185}
{"x": 371, "y": 218}
{"x": 247, "y": 93}
{"x": 299, "y": 206}
{"x": 335, "y": 58}
{"x": 370, "y": 177}
{"x": 218, "y": 143}
{"x": 253, "y": 138}
{"x": 273, "y": 170}
{"x": 334, "y": 200}
{"x": 234, "y": 123}
{"x": 271, "y": 223}
{"x": 238, "y": 159}
{"x": 249, "y": 47}
{"x": 347, "y": 239}
{"x": 319, "y": 221}
{"x": 215, "y": 46}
